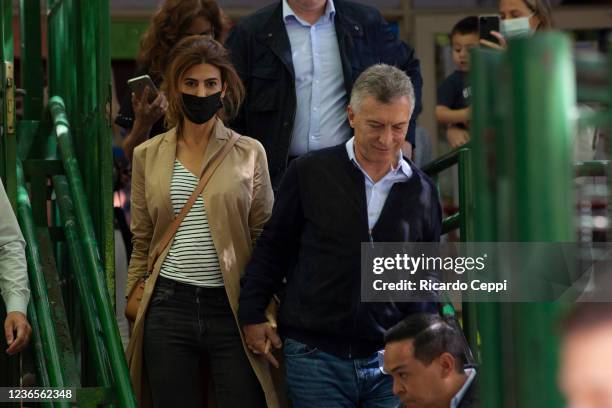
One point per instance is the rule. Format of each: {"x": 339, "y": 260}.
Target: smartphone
{"x": 138, "y": 85}
{"x": 486, "y": 24}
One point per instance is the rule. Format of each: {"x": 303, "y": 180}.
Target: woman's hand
{"x": 148, "y": 113}
{"x": 503, "y": 44}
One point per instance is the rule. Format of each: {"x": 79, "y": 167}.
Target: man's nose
{"x": 386, "y": 135}
{"x": 397, "y": 387}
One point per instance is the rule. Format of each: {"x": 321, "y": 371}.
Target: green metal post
{"x": 92, "y": 257}
{"x": 95, "y": 151}
{"x": 89, "y": 311}
{"x": 484, "y": 65}
{"x": 466, "y": 213}
{"x": 31, "y": 59}
{"x": 39, "y": 290}
{"x": 541, "y": 93}
{"x": 41, "y": 368}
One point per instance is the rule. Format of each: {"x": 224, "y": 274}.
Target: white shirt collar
{"x": 401, "y": 164}
{"x": 471, "y": 372}
{"x": 330, "y": 12}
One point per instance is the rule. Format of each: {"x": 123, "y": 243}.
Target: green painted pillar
{"x": 79, "y": 72}
{"x": 522, "y": 173}
{"x": 485, "y": 65}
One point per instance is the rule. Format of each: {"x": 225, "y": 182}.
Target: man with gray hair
{"x": 329, "y": 202}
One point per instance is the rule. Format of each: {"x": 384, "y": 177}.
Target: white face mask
{"x": 516, "y": 27}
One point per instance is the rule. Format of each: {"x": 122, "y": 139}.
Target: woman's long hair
{"x": 192, "y": 51}
{"x": 168, "y": 26}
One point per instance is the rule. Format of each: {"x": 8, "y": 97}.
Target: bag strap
{"x": 207, "y": 173}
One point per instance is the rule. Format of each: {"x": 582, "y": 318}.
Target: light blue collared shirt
{"x": 320, "y": 116}
{"x": 377, "y": 193}
{"x": 471, "y": 372}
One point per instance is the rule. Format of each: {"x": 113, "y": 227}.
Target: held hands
{"x": 17, "y": 332}
{"x": 259, "y": 338}
{"x": 149, "y": 113}
{"x": 503, "y": 44}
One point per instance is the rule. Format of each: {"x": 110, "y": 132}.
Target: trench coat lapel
{"x": 165, "y": 167}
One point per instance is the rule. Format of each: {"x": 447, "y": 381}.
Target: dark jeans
{"x": 185, "y": 325}
{"x": 319, "y": 379}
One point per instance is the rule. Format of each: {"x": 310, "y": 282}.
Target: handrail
{"x": 92, "y": 324}
{"x": 442, "y": 163}
{"x": 592, "y": 168}
{"x": 50, "y": 346}
{"x": 458, "y": 156}
{"x": 94, "y": 268}
{"x": 41, "y": 368}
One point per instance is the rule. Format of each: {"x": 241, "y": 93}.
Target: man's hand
{"x": 457, "y": 136}
{"x": 17, "y": 332}
{"x": 259, "y": 337}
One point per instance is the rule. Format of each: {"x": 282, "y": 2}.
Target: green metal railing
{"x": 49, "y": 364}
{"x": 62, "y": 182}
{"x": 90, "y": 271}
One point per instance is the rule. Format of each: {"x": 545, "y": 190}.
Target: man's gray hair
{"x": 383, "y": 82}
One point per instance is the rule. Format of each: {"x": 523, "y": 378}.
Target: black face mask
{"x": 200, "y": 109}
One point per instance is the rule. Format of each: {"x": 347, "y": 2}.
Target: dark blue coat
{"x": 261, "y": 52}
{"x": 313, "y": 240}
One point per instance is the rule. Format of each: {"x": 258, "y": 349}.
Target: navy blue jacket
{"x": 313, "y": 239}
{"x": 261, "y": 52}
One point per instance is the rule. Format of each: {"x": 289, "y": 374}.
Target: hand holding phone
{"x": 486, "y": 24}
{"x": 137, "y": 86}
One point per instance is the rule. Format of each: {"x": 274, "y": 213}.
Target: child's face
{"x": 462, "y": 43}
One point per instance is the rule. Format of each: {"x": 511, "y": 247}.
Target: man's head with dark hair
{"x": 464, "y": 36}
{"x": 585, "y": 376}
{"x": 425, "y": 355}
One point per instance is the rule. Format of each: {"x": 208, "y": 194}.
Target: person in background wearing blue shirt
{"x": 298, "y": 60}
{"x": 454, "y": 93}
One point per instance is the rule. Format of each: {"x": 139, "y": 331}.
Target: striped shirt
{"x": 192, "y": 257}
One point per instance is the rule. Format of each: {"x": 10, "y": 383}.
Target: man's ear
{"x": 447, "y": 364}
{"x": 351, "y": 116}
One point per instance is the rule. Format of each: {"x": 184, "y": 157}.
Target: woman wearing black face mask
{"x": 187, "y": 314}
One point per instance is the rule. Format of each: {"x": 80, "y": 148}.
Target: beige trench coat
{"x": 238, "y": 200}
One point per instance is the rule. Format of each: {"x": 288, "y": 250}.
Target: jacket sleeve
{"x": 398, "y": 53}
{"x": 275, "y": 251}
{"x": 237, "y": 45}
{"x": 142, "y": 225}
{"x": 13, "y": 266}
{"x": 263, "y": 197}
